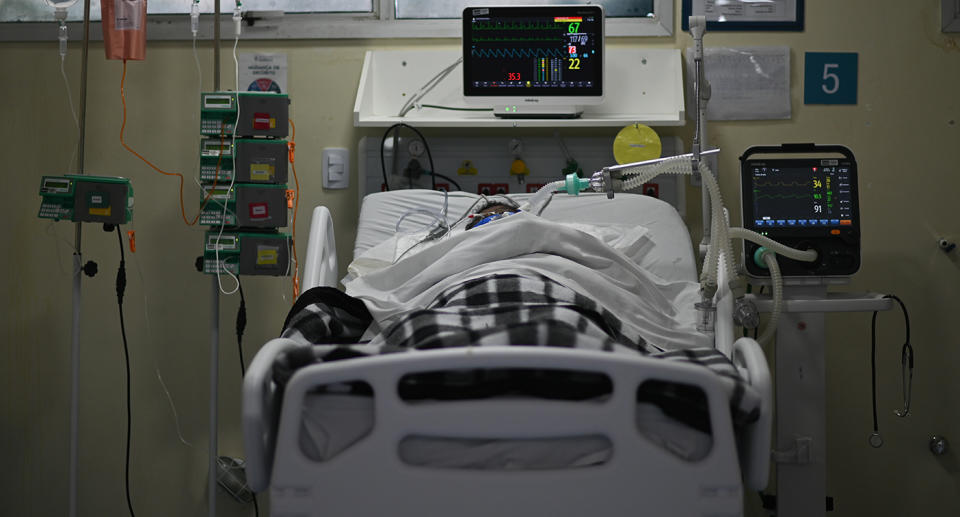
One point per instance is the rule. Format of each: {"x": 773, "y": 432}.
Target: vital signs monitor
{"x": 533, "y": 61}
{"x": 804, "y": 196}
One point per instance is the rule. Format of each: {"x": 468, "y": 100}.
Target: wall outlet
{"x": 490, "y": 189}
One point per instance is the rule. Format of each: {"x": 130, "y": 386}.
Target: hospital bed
{"x": 325, "y": 448}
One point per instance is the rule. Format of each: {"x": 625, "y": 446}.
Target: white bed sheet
{"x": 672, "y": 258}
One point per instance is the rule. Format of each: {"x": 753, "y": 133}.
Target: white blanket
{"x": 598, "y": 261}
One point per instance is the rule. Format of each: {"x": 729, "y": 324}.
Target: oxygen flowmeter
{"x": 86, "y": 199}
{"x": 804, "y": 196}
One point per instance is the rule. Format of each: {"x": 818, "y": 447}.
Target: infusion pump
{"x": 87, "y": 199}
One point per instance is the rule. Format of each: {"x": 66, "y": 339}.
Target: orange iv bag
{"x": 124, "y": 28}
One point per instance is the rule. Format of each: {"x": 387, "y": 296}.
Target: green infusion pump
{"x": 86, "y": 199}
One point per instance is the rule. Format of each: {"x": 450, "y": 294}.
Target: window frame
{"x": 379, "y": 24}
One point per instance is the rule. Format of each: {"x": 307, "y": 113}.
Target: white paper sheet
{"x": 747, "y": 83}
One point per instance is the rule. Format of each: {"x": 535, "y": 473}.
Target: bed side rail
{"x": 261, "y": 408}
{"x": 753, "y": 441}
{"x": 320, "y": 267}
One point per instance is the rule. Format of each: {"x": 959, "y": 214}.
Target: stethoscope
{"x": 906, "y": 372}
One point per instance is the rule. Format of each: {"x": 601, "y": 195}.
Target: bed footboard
{"x": 370, "y": 478}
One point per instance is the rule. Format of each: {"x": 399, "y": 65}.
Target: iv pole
{"x": 77, "y": 266}
{"x": 214, "y": 314}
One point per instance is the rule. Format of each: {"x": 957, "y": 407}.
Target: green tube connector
{"x": 758, "y": 257}
{"x": 574, "y": 185}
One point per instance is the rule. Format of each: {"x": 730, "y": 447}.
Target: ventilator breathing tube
{"x": 772, "y": 245}
{"x": 537, "y": 202}
{"x": 635, "y": 178}
{"x": 770, "y": 259}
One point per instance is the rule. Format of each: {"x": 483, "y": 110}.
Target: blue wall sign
{"x": 830, "y": 78}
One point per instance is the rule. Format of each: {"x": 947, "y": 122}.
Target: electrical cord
{"x": 241, "y": 326}
{"x": 383, "y": 141}
{"x": 452, "y": 108}
{"x": 906, "y": 364}
{"x": 121, "y": 287}
{"x": 448, "y": 178}
{"x": 425, "y": 89}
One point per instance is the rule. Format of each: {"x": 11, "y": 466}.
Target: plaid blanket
{"x": 493, "y": 310}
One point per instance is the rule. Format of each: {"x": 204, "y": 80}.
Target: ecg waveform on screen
{"x": 782, "y": 184}
{"x": 494, "y": 39}
{"x": 517, "y": 52}
{"x": 783, "y": 196}
{"x": 518, "y": 26}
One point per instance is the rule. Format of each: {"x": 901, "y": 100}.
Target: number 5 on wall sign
{"x": 830, "y": 78}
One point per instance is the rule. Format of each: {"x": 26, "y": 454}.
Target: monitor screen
{"x": 800, "y": 195}
{"x": 540, "y": 51}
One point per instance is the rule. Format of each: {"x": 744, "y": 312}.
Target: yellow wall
{"x": 904, "y": 131}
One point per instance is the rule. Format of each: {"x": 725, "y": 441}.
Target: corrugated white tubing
{"x": 719, "y": 238}
{"x": 767, "y": 242}
{"x": 536, "y": 202}
{"x": 770, "y": 259}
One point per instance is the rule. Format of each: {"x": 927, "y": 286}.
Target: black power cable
{"x": 906, "y": 357}
{"x": 448, "y": 178}
{"x": 121, "y": 287}
{"x": 383, "y": 141}
{"x": 241, "y": 326}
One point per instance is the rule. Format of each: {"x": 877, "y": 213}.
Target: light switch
{"x": 336, "y": 167}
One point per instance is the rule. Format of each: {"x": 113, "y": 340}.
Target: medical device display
{"x": 248, "y": 205}
{"x": 247, "y": 253}
{"x": 804, "y": 203}
{"x": 87, "y": 199}
{"x": 258, "y": 160}
{"x": 261, "y": 114}
{"x": 533, "y": 61}
{"x": 243, "y": 172}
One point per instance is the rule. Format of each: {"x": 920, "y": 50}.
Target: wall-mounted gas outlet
{"x": 489, "y": 189}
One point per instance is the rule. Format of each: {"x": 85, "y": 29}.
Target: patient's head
{"x": 491, "y": 210}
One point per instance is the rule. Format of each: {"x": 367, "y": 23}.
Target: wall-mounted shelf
{"x": 643, "y": 85}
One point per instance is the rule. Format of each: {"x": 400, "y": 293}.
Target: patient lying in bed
{"x": 503, "y": 276}
{"x": 517, "y": 279}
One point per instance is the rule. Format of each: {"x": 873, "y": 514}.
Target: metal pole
{"x": 701, "y": 93}
{"x": 77, "y": 264}
{"x": 214, "y": 312}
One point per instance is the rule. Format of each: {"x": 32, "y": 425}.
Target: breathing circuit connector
{"x": 574, "y": 185}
